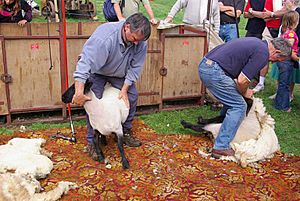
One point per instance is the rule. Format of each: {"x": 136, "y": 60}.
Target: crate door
{"x": 3, "y": 97}
{"x": 33, "y": 84}
{"x": 181, "y": 57}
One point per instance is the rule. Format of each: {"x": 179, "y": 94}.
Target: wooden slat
{"x": 181, "y": 58}
{"x": 41, "y": 29}
{"x": 74, "y": 47}
{"x": 3, "y": 98}
{"x": 150, "y": 81}
{"x": 89, "y": 27}
{"x": 13, "y": 29}
{"x": 34, "y": 85}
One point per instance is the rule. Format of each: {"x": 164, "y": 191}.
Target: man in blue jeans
{"x": 227, "y": 71}
{"x": 228, "y": 19}
{"x": 114, "y": 53}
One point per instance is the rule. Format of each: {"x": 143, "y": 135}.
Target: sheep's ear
{"x": 68, "y": 95}
{"x": 249, "y": 102}
{"x": 87, "y": 86}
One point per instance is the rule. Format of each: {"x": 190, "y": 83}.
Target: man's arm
{"x": 118, "y": 11}
{"x": 124, "y": 94}
{"x": 175, "y": 9}
{"x": 229, "y": 10}
{"x": 242, "y": 84}
{"x": 79, "y": 98}
{"x": 150, "y": 13}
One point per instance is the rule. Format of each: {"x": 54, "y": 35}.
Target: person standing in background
{"x": 15, "y": 11}
{"x": 196, "y": 13}
{"x": 229, "y": 17}
{"x": 131, "y": 7}
{"x": 255, "y": 25}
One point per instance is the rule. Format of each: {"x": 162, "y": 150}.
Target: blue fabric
{"x": 282, "y": 99}
{"x": 105, "y": 53}
{"x": 248, "y": 55}
{"x": 228, "y": 32}
{"x": 99, "y": 82}
{"x": 224, "y": 89}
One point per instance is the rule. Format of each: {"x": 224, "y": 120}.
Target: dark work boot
{"x": 90, "y": 149}
{"x": 129, "y": 140}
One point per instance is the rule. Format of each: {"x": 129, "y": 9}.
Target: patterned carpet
{"x": 165, "y": 167}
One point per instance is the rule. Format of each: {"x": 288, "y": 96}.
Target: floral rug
{"x": 165, "y": 167}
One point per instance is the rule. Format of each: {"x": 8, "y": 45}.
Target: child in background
{"x": 15, "y": 11}
{"x": 289, "y": 24}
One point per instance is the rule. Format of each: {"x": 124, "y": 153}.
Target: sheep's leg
{"x": 218, "y": 119}
{"x": 198, "y": 127}
{"x": 103, "y": 139}
{"x": 125, "y": 162}
{"x": 97, "y": 147}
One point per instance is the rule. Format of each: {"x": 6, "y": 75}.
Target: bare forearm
{"x": 118, "y": 11}
{"x": 149, "y": 11}
{"x": 232, "y": 14}
{"x": 79, "y": 87}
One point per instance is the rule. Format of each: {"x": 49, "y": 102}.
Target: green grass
{"x": 287, "y": 124}
{"x": 161, "y": 9}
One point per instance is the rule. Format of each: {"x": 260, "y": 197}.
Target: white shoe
{"x": 273, "y": 96}
{"x": 259, "y": 87}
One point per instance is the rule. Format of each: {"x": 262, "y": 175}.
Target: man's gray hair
{"x": 139, "y": 23}
{"x": 283, "y": 45}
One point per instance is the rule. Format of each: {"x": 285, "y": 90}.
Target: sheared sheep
{"x": 106, "y": 116}
{"x": 21, "y": 164}
{"x": 255, "y": 139}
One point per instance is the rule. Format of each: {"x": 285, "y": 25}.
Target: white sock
{"x": 262, "y": 80}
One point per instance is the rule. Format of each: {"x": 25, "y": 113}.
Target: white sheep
{"x": 255, "y": 139}
{"x": 106, "y": 116}
{"x": 21, "y": 163}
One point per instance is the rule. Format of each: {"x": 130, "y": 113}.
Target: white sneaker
{"x": 273, "y": 96}
{"x": 259, "y": 87}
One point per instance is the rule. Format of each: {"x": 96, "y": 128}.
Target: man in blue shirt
{"x": 115, "y": 53}
{"x": 227, "y": 71}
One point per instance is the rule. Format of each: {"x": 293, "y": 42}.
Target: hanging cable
{"x": 49, "y": 43}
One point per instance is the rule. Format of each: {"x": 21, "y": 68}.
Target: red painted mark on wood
{"x": 1, "y": 102}
{"x": 34, "y": 46}
{"x": 185, "y": 42}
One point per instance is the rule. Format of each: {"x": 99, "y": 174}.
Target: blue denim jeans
{"x": 228, "y": 32}
{"x": 224, "y": 89}
{"x": 99, "y": 82}
{"x": 282, "y": 99}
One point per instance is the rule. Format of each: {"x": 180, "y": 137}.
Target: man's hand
{"x": 124, "y": 95}
{"x": 22, "y": 22}
{"x": 153, "y": 21}
{"x": 249, "y": 93}
{"x": 168, "y": 19}
{"x": 79, "y": 98}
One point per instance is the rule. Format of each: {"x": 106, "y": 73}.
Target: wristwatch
{"x": 272, "y": 14}
{"x": 250, "y": 11}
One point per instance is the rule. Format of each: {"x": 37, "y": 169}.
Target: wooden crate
{"x": 24, "y": 55}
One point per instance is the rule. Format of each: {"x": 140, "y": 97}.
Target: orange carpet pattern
{"x": 165, "y": 167}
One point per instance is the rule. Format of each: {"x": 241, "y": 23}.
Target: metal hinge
{"x": 6, "y": 78}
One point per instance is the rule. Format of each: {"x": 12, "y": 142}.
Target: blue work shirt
{"x": 105, "y": 53}
{"x": 247, "y": 55}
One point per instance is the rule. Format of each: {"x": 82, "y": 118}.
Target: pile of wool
{"x": 22, "y": 162}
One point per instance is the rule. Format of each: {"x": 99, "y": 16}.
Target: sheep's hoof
{"x": 101, "y": 159}
{"x": 184, "y": 124}
{"x": 200, "y": 120}
{"x": 125, "y": 164}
